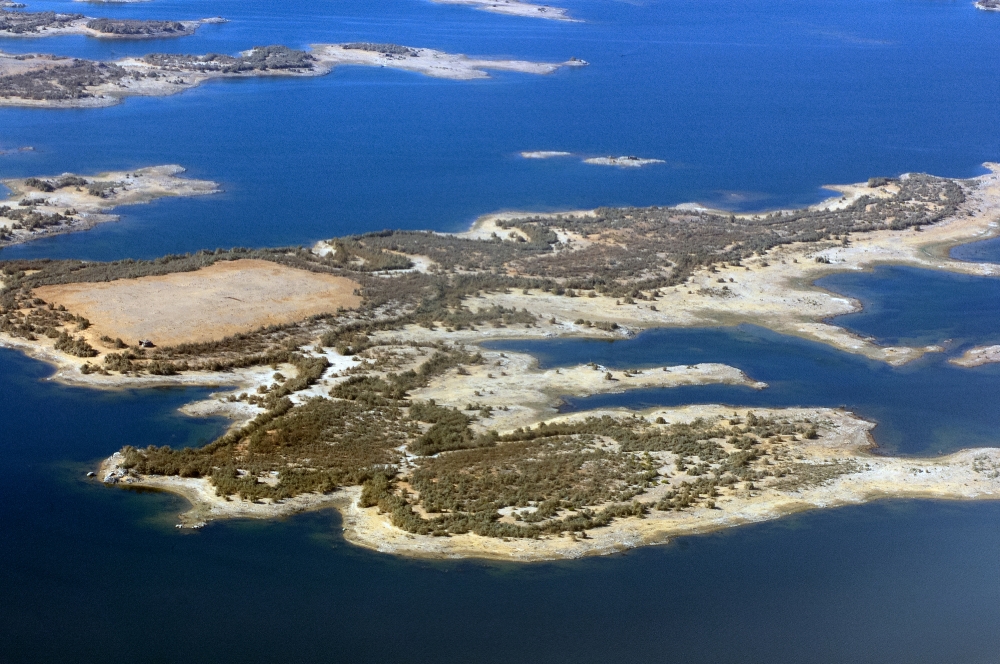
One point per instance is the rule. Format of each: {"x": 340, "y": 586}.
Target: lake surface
{"x": 91, "y": 573}
{"x": 752, "y": 105}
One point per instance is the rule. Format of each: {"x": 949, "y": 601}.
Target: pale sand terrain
{"x": 515, "y": 8}
{"x": 622, "y": 162}
{"x": 975, "y": 357}
{"x": 209, "y": 304}
{"x": 170, "y": 81}
{"x": 434, "y": 63}
{"x": 79, "y": 27}
{"x": 545, "y": 154}
{"x": 131, "y": 188}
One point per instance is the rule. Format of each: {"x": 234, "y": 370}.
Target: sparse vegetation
{"x": 436, "y": 469}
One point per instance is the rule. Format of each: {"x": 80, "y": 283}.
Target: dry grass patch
{"x": 226, "y": 298}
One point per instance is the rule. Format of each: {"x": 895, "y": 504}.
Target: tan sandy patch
{"x": 224, "y": 299}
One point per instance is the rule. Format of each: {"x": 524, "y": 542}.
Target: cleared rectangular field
{"x": 206, "y": 305}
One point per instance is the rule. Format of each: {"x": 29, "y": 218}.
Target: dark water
{"x": 753, "y": 104}
{"x": 986, "y": 251}
{"x": 90, "y": 573}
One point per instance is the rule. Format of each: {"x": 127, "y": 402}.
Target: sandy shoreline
{"x": 978, "y": 356}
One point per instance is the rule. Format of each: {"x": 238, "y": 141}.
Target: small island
{"x": 988, "y": 5}
{"x": 50, "y": 24}
{"x": 355, "y": 378}
{"x": 630, "y": 161}
{"x": 515, "y": 8}
{"x": 978, "y": 356}
{"x": 51, "y": 81}
{"x": 44, "y": 206}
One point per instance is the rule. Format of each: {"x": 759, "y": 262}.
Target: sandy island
{"x": 738, "y": 467}
{"x": 630, "y": 161}
{"x": 50, "y": 81}
{"x": 975, "y": 357}
{"x": 515, "y": 8}
{"x": 43, "y": 206}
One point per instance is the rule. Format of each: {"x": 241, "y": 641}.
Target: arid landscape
{"x": 378, "y": 381}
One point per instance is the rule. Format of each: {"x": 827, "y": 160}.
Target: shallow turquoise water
{"x": 753, "y": 105}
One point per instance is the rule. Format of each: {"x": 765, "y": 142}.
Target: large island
{"x": 355, "y": 377}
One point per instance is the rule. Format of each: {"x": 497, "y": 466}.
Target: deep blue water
{"x": 753, "y": 105}
{"x": 91, "y": 573}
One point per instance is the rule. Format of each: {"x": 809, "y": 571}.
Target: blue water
{"x": 926, "y": 407}
{"x": 91, "y": 573}
{"x": 753, "y": 104}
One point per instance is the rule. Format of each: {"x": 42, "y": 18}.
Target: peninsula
{"x": 51, "y": 81}
{"x": 355, "y": 378}
{"x": 42, "y": 206}
{"x": 51, "y": 24}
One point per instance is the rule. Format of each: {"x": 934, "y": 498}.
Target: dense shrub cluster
{"x": 20, "y": 23}
{"x": 62, "y": 81}
{"x": 259, "y": 58}
{"x": 136, "y": 28}
{"x": 384, "y": 49}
